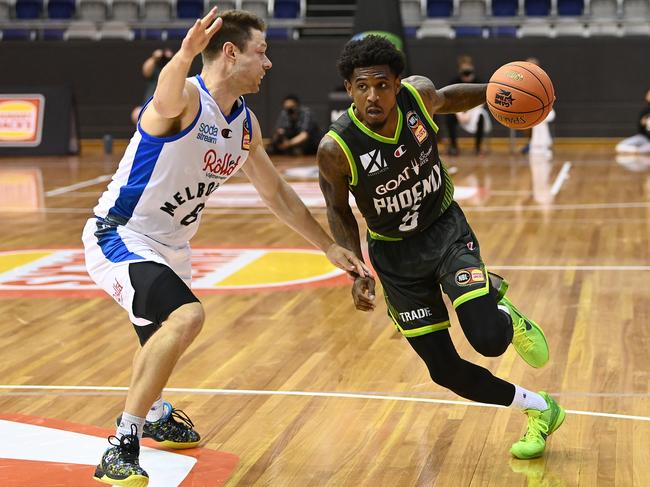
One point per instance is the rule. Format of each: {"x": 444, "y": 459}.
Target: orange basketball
{"x": 520, "y": 95}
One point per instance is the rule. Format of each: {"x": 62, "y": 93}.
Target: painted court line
{"x": 466, "y": 209}
{"x": 79, "y": 185}
{"x": 344, "y": 395}
{"x": 562, "y": 176}
{"x": 571, "y": 267}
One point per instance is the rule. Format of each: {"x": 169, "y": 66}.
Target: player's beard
{"x": 376, "y": 125}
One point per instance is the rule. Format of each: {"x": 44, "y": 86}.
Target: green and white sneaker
{"x": 540, "y": 425}
{"x": 527, "y": 338}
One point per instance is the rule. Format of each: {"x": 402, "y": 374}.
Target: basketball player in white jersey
{"x": 191, "y": 137}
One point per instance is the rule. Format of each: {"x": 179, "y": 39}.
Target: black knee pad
{"x": 159, "y": 291}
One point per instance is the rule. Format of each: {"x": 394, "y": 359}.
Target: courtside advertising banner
{"x": 21, "y": 120}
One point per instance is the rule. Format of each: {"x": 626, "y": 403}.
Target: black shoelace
{"x": 129, "y": 444}
{"x": 178, "y": 414}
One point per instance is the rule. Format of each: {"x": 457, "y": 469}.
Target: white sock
{"x": 504, "y": 308}
{"x": 525, "y": 399}
{"x": 157, "y": 411}
{"x": 125, "y": 425}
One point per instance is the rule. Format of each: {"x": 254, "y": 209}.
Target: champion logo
{"x": 374, "y": 162}
{"x": 400, "y": 151}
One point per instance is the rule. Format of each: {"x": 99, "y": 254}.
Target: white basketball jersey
{"x": 162, "y": 183}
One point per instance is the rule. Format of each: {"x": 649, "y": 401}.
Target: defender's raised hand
{"x": 346, "y": 260}
{"x": 199, "y": 35}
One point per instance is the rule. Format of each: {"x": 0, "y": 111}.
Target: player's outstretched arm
{"x": 450, "y": 99}
{"x": 334, "y": 174}
{"x": 283, "y": 201}
{"x": 172, "y": 97}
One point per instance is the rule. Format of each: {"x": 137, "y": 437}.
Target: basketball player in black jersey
{"x": 384, "y": 151}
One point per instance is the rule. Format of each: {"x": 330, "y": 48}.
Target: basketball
{"x": 520, "y": 95}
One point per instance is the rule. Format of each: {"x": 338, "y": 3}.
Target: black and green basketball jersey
{"x": 399, "y": 183}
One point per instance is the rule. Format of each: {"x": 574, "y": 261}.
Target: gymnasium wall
{"x": 600, "y": 82}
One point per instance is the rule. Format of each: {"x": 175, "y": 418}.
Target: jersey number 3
{"x": 410, "y": 220}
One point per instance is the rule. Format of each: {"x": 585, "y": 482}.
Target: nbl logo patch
{"x": 416, "y": 127}
{"x": 503, "y": 98}
{"x": 467, "y": 277}
{"x": 246, "y": 135}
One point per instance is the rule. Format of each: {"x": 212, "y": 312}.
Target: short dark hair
{"x": 236, "y": 28}
{"x": 372, "y": 50}
{"x": 292, "y": 97}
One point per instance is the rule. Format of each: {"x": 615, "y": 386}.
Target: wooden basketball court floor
{"x": 306, "y": 391}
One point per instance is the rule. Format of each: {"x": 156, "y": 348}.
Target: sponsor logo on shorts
{"x": 117, "y": 291}
{"x": 415, "y": 314}
{"x": 467, "y": 277}
{"x": 503, "y": 98}
{"x": 470, "y": 246}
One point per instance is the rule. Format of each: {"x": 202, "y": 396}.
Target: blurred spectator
{"x": 466, "y": 74}
{"x": 296, "y": 133}
{"x": 639, "y": 143}
{"x": 540, "y": 142}
{"x": 151, "y": 70}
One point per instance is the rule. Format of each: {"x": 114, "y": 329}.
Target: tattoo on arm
{"x": 333, "y": 178}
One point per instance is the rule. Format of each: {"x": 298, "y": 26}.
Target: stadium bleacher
{"x": 291, "y": 19}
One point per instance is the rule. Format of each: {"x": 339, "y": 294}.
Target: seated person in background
{"x": 476, "y": 121}
{"x": 639, "y": 143}
{"x": 540, "y": 140}
{"x": 466, "y": 74}
{"x": 151, "y": 70}
{"x": 296, "y": 133}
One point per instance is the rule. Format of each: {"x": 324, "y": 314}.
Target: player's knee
{"x": 486, "y": 328}
{"x": 188, "y": 319}
{"x": 487, "y": 337}
{"x": 490, "y": 343}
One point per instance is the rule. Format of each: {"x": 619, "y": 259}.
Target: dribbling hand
{"x": 363, "y": 293}
{"x": 199, "y": 35}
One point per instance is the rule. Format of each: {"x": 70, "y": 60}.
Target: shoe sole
{"x": 541, "y": 332}
{"x": 132, "y": 481}
{"x": 178, "y": 446}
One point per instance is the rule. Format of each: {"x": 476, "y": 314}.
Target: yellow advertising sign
{"x": 21, "y": 120}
